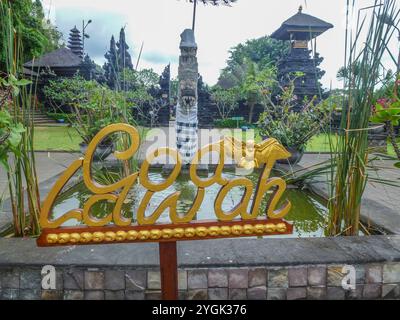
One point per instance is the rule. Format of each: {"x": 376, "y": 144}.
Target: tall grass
{"x": 350, "y": 154}
{"x": 22, "y": 177}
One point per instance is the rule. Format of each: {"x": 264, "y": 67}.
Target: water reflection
{"x": 308, "y": 214}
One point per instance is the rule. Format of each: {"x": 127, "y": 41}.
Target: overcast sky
{"x": 158, "y": 24}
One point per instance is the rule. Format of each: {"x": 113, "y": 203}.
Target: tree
{"x": 38, "y": 35}
{"x": 226, "y": 100}
{"x": 263, "y": 51}
{"x": 255, "y": 84}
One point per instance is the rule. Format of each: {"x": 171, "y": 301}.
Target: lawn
{"x": 66, "y": 139}
{"x": 56, "y": 139}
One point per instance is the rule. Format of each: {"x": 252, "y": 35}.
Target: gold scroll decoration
{"x": 249, "y": 155}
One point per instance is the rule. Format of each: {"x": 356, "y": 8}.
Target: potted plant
{"x": 292, "y": 129}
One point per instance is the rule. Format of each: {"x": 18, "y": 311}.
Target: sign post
{"x": 169, "y": 270}
{"x": 237, "y": 119}
{"x": 114, "y": 227}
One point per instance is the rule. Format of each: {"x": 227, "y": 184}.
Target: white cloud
{"x": 158, "y": 23}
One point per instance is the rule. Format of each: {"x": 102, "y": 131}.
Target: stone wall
{"x": 274, "y": 269}
{"x": 374, "y": 281}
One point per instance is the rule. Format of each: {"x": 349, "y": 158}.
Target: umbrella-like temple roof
{"x": 301, "y": 26}
{"x": 60, "y": 58}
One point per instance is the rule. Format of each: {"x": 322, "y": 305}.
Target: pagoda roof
{"x": 301, "y": 26}
{"x": 59, "y": 58}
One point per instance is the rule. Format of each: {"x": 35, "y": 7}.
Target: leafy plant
{"x": 289, "y": 128}
{"x": 10, "y": 137}
{"x": 17, "y": 125}
{"x": 37, "y": 34}
{"x": 350, "y": 154}
{"x": 387, "y": 111}
{"x": 226, "y": 100}
{"x": 94, "y": 105}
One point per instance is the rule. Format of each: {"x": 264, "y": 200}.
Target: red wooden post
{"x": 169, "y": 270}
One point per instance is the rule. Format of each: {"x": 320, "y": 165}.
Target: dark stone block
{"x": 94, "y": 280}
{"x": 9, "y": 294}
{"x": 317, "y": 276}
{"x": 94, "y": 295}
{"x": 197, "y": 279}
{"x": 218, "y": 294}
{"x": 182, "y": 295}
{"x": 52, "y": 295}
{"x": 276, "y": 294}
{"x": 134, "y": 295}
{"x": 391, "y": 291}
{"x": 298, "y": 277}
{"x": 296, "y": 294}
{"x": 238, "y": 278}
{"x": 30, "y": 279}
{"x": 278, "y": 278}
{"x": 153, "y": 295}
{"x": 373, "y": 274}
{"x": 73, "y": 295}
{"x": 135, "y": 280}
{"x": 217, "y": 278}
{"x": 73, "y": 279}
{"x": 335, "y": 293}
{"x": 9, "y": 278}
{"x": 197, "y": 294}
{"x": 372, "y": 291}
{"x": 356, "y": 294}
{"x": 115, "y": 295}
{"x": 114, "y": 280}
{"x": 257, "y": 277}
{"x": 257, "y": 293}
{"x": 316, "y": 293}
{"x": 29, "y": 294}
{"x": 237, "y": 294}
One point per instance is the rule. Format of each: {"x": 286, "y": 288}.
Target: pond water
{"x": 308, "y": 213}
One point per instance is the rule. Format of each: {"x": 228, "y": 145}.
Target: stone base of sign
{"x": 256, "y": 269}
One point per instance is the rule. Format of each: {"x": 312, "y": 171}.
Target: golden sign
{"x": 116, "y": 228}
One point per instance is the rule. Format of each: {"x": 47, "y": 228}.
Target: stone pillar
{"x": 186, "y": 109}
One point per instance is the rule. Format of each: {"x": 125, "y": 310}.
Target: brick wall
{"x": 374, "y": 281}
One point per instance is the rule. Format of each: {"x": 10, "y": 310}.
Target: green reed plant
{"x": 21, "y": 170}
{"x": 350, "y": 154}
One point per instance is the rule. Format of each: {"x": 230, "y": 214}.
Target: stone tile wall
{"x": 374, "y": 281}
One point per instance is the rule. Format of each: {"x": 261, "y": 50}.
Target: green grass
{"x": 320, "y": 143}
{"x": 67, "y": 139}
{"x": 56, "y": 139}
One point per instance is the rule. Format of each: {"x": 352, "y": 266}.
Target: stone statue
{"x": 186, "y": 109}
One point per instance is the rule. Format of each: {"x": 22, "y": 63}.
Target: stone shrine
{"x": 186, "y": 109}
{"x": 302, "y": 30}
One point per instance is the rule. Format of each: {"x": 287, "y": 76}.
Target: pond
{"x": 308, "y": 213}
